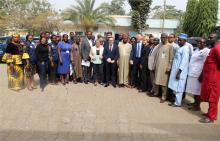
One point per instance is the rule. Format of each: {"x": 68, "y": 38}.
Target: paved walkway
{"x": 87, "y": 113}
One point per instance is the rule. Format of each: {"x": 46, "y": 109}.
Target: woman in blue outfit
{"x": 53, "y": 56}
{"x": 30, "y": 68}
{"x": 64, "y": 49}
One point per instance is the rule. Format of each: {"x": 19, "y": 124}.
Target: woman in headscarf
{"x": 13, "y": 57}
{"x": 53, "y": 49}
{"x": 76, "y": 60}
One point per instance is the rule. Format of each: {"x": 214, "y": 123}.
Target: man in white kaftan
{"x": 179, "y": 70}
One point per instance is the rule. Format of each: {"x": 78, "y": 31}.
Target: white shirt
{"x": 197, "y": 61}
{"x": 90, "y": 42}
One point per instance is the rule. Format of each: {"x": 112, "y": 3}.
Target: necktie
{"x": 138, "y": 50}
{"x": 110, "y": 47}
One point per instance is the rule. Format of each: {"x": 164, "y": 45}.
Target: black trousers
{"x": 136, "y": 72}
{"x": 110, "y": 73}
{"x": 145, "y": 79}
{"x": 97, "y": 72}
{"x": 86, "y": 73}
{"x": 53, "y": 72}
{"x": 104, "y": 72}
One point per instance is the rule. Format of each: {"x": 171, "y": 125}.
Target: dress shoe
{"x": 86, "y": 82}
{"x": 152, "y": 95}
{"x": 206, "y": 120}
{"x": 170, "y": 104}
{"x": 114, "y": 85}
{"x": 190, "y": 104}
{"x": 194, "y": 108}
{"x": 173, "y": 105}
{"x": 106, "y": 85}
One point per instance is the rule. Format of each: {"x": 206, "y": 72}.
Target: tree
{"x": 140, "y": 10}
{"x": 115, "y": 8}
{"x": 171, "y": 12}
{"x": 189, "y": 17}
{"x": 206, "y": 17}
{"x": 85, "y": 15}
{"x": 32, "y": 15}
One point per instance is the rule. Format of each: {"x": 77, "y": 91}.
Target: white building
{"x": 123, "y": 25}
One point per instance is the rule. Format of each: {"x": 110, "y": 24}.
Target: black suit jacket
{"x": 145, "y": 50}
{"x": 114, "y": 54}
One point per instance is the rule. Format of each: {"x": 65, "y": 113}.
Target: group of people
{"x": 168, "y": 67}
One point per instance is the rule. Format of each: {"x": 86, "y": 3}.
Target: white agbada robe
{"x": 175, "y": 47}
{"x": 180, "y": 61}
{"x": 195, "y": 68}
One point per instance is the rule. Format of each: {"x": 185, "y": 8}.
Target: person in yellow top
{"x": 15, "y": 54}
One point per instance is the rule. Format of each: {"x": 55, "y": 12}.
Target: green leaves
{"x": 200, "y": 17}
{"x": 171, "y": 12}
{"x": 85, "y": 14}
{"x": 140, "y": 10}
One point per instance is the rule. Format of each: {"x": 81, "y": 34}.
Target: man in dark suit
{"x": 85, "y": 49}
{"x": 111, "y": 55}
{"x": 106, "y": 44}
{"x": 135, "y": 59}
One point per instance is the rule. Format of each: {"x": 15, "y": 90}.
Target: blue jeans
{"x": 43, "y": 66}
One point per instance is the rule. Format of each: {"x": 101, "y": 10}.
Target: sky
{"x": 62, "y": 4}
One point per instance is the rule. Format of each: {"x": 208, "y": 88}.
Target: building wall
{"x": 102, "y": 29}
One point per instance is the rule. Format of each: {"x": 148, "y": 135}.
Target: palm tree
{"x": 85, "y": 15}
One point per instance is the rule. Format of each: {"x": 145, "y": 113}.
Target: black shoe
{"x": 86, "y": 82}
{"x": 194, "y": 109}
{"x": 106, "y": 85}
{"x": 114, "y": 85}
{"x": 206, "y": 120}
{"x": 152, "y": 95}
{"x": 173, "y": 105}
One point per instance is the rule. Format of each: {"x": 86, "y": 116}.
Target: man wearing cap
{"x": 179, "y": 70}
{"x": 162, "y": 66}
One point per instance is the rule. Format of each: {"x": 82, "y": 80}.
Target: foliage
{"x": 85, "y": 14}
{"x": 189, "y": 17}
{"x": 201, "y": 17}
{"x": 115, "y": 7}
{"x": 206, "y": 17}
{"x": 171, "y": 12}
{"x": 140, "y": 10}
{"x": 28, "y": 15}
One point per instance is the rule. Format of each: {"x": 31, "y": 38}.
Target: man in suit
{"x": 111, "y": 55}
{"x": 85, "y": 49}
{"x": 135, "y": 59}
